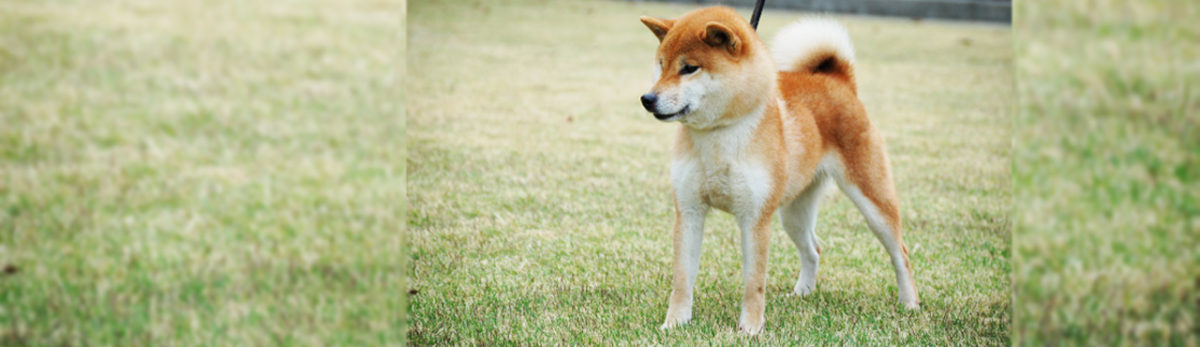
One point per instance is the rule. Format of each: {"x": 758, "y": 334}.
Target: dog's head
{"x": 710, "y": 68}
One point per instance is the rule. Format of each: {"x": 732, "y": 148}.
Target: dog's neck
{"x": 729, "y": 140}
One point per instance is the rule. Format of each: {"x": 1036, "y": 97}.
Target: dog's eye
{"x": 687, "y": 69}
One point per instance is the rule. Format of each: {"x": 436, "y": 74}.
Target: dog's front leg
{"x": 755, "y": 234}
{"x": 688, "y": 233}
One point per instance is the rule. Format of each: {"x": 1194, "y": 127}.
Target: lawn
{"x": 540, "y": 207}
{"x": 1107, "y": 173}
{"x": 202, "y": 172}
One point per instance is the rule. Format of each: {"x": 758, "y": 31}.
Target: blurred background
{"x": 1106, "y": 173}
{"x": 201, "y": 172}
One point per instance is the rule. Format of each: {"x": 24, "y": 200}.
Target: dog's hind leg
{"x": 800, "y": 220}
{"x": 869, "y": 186}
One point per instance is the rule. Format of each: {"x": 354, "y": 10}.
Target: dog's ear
{"x": 658, "y": 26}
{"x": 718, "y": 35}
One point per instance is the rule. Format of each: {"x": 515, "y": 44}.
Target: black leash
{"x": 757, "y": 13}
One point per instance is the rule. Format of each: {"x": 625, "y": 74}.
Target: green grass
{"x": 1107, "y": 173}
{"x": 202, "y": 172}
{"x": 540, "y": 208}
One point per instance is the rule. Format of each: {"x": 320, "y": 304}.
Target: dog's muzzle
{"x": 648, "y": 101}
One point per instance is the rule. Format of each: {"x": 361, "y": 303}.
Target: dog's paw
{"x": 911, "y": 305}
{"x": 675, "y": 319}
{"x": 751, "y": 323}
{"x": 751, "y": 329}
{"x": 804, "y": 288}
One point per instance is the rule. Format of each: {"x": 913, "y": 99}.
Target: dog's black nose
{"x": 648, "y": 101}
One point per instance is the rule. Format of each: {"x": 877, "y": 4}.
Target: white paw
{"x": 908, "y": 298}
{"x": 675, "y": 319}
{"x": 804, "y": 288}
{"x": 750, "y": 328}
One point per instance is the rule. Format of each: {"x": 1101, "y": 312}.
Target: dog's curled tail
{"x": 817, "y": 45}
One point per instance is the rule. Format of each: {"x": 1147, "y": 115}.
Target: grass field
{"x": 540, "y": 210}
{"x": 202, "y": 172}
{"x": 1107, "y": 173}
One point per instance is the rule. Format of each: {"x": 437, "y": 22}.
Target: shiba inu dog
{"x": 763, "y": 131}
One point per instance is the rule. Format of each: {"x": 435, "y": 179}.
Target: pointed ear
{"x": 658, "y": 26}
{"x": 718, "y": 35}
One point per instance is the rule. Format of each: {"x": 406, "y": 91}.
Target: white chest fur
{"x": 720, "y": 172}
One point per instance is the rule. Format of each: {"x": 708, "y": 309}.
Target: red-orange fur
{"x": 822, "y": 106}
